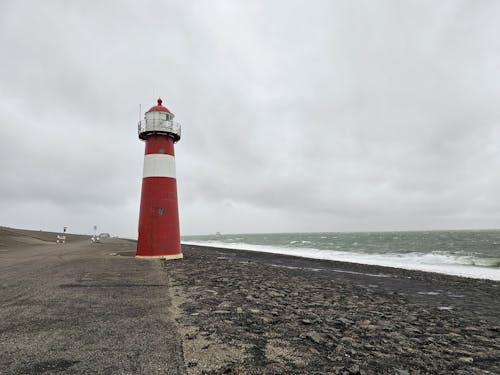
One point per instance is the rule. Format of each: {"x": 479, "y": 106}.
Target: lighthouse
{"x": 159, "y": 235}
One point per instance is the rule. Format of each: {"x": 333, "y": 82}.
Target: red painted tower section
{"x": 159, "y": 235}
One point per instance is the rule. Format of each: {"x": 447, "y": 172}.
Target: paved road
{"x": 77, "y": 309}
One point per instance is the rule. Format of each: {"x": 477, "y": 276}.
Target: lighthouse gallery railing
{"x": 160, "y": 126}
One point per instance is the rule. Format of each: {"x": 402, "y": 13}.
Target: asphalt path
{"x": 83, "y": 308}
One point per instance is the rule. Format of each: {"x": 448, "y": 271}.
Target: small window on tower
{"x": 161, "y": 151}
{"x": 161, "y": 211}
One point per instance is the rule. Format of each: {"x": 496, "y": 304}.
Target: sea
{"x": 466, "y": 253}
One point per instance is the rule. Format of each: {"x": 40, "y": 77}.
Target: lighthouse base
{"x": 167, "y": 257}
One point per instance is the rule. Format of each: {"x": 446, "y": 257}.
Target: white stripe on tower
{"x": 159, "y": 165}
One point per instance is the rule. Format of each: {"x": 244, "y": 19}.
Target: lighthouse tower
{"x": 159, "y": 235}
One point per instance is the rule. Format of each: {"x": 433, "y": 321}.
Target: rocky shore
{"x": 253, "y": 313}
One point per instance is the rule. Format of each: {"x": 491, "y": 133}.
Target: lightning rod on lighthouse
{"x": 159, "y": 234}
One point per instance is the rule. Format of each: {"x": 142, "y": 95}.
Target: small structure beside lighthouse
{"x": 159, "y": 234}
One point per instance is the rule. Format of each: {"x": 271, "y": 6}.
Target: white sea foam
{"x": 431, "y": 262}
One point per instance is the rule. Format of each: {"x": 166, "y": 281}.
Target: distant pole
{"x": 159, "y": 234}
{"x": 61, "y": 238}
{"x": 95, "y": 237}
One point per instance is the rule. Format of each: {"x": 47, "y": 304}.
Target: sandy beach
{"x": 85, "y": 308}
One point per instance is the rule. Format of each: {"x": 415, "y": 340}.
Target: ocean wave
{"x": 480, "y": 261}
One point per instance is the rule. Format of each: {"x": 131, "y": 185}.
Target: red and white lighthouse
{"x": 159, "y": 235}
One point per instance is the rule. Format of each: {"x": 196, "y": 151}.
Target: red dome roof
{"x": 159, "y": 107}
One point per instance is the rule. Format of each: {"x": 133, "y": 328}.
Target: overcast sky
{"x": 296, "y": 115}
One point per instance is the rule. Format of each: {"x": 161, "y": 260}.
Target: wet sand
{"x": 256, "y": 313}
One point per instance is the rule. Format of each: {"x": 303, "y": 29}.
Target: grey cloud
{"x": 323, "y": 116}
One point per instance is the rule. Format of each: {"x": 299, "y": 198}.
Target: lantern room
{"x": 159, "y": 120}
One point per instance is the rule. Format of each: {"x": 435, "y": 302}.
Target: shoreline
{"x": 406, "y": 282}
{"x": 269, "y": 313}
{"x": 493, "y": 276}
